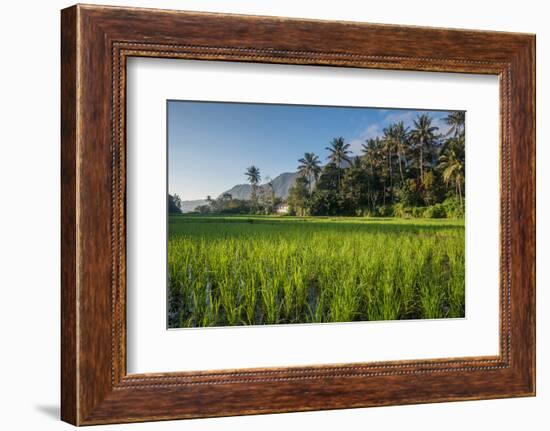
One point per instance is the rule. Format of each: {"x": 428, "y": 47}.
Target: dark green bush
{"x": 385, "y": 211}
{"x": 435, "y": 211}
{"x": 453, "y": 209}
{"x": 418, "y": 212}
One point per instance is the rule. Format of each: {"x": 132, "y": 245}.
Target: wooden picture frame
{"x": 95, "y": 43}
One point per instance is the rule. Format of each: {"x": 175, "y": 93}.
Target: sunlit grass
{"x": 254, "y": 270}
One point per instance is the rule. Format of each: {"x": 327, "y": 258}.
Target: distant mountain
{"x": 240, "y": 191}
{"x": 281, "y": 186}
{"x": 189, "y": 206}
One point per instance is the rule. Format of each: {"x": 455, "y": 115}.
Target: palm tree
{"x": 271, "y": 189}
{"x": 339, "y": 153}
{"x": 452, "y": 165}
{"x": 269, "y": 194}
{"x": 400, "y": 134}
{"x": 456, "y": 121}
{"x": 356, "y": 163}
{"x": 310, "y": 168}
{"x": 371, "y": 150}
{"x": 424, "y": 135}
{"x": 395, "y": 136}
{"x": 254, "y": 178}
{"x": 374, "y": 155}
{"x": 388, "y": 146}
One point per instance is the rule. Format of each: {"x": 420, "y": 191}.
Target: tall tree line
{"x": 404, "y": 170}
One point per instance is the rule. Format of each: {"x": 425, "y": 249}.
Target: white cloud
{"x": 394, "y": 116}
{"x": 355, "y": 146}
{"x": 406, "y": 116}
{"x": 409, "y": 116}
{"x": 371, "y": 131}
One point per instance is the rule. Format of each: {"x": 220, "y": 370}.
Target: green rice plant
{"x": 410, "y": 267}
{"x": 456, "y": 283}
{"x": 431, "y": 289}
{"x": 269, "y": 292}
{"x": 271, "y": 270}
{"x": 248, "y": 296}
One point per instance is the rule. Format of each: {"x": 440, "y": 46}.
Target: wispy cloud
{"x": 371, "y": 131}
{"x": 374, "y": 130}
{"x": 408, "y": 118}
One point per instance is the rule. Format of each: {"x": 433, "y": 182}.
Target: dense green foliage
{"x": 174, "y": 204}
{"x": 246, "y": 270}
{"x": 412, "y": 173}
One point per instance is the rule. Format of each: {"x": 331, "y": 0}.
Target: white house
{"x": 281, "y": 208}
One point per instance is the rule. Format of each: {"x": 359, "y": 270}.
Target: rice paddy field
{"x": 257, "y": 270}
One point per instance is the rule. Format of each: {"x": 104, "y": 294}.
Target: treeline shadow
{"x": 326, "y": 224}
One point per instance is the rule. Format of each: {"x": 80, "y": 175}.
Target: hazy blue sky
{"x": 210, "y": 144}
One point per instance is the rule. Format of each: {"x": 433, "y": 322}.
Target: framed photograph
{"x": 264, "y": 214}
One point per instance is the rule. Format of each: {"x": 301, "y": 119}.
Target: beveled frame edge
{"x": 124, "y": 50}
{"x": 95, "y": 43}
